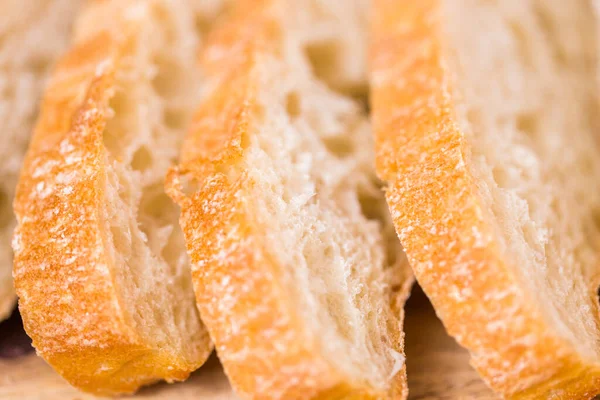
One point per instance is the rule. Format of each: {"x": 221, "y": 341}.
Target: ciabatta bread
{"x": 33, "y": 34}
{"x": 297, "y": 272}
{"x": 100, "y": 264}
{"x": 486, "y": 121}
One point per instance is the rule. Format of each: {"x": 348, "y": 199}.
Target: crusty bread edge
{"x": 438, "y": 214}
{"x": 69, "y": 134}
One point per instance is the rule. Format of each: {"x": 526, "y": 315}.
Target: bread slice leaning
{"x": 100, "y": 264}
{"x": 298, "y": 274}
{"x": 486, "y": 122}
{"x": 34, "y": 33}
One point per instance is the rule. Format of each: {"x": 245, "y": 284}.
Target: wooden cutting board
{"x": 437, "y": 369}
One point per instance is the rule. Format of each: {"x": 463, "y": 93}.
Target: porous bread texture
{"x": 334, "y": 37}
{"x": 206, "y": 12}
{"x": 112, "y": 307}
{"x": 307, "y": 244}
{"x": 528, "y": 106}
{"x": 156, "y": 89}
{"x": 315, "y": 194}
{"x": 34, "y": 33}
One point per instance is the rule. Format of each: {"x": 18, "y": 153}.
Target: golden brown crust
{"x": 266, "y": 350}
{"x": 438, "y": 214}
{"x": 62, "y": 270}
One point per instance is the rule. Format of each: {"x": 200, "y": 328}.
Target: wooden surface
{"x": 437, "y": 369}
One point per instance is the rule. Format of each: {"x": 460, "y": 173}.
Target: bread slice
{"x": 485, "y": 116}
{"x": 298, "y": 274}
{"x": 100, "y": 264}
{"x": 33, "y": 33}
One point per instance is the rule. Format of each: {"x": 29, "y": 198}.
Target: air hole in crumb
{"x": 157, "y": 204}
{"x": 365, "y": 103}
{"x": 8, "y": 90}
{"x": 117, "y": 131}
{"x": 168, "y": 26}
{"x": 500, "y": 176}
{"x": 336, "y": 305}
{"x": 527, "y": 123}
{"x": 520, "y": 38}
{"x": 323, "y": 59}
{"x": 338, "y": 146}
{"x": 39, "y": 66}
{"x": 142, "y": 159}
{"x": 394, "y": 252}
{"x": 292, "y": 104}
{"x": 175, "y": 119}
{"x": 550, "y": 29}
{"x": 205, "y": 19}
{"x": 370, "y": 204}
{"x": 244, "y": 140}
{"x": 167, "y": 82}
{"x": 202, "y": 25}
{"x": 587, "y": 165}
{"x": 592, "y": 226}
{"x": 174, "y": 251}
{"x": 359, "y": 91}
{"x": 474, "y": 117}
{"x": 5, "y": 209}
{"x": 110, "y": 140}
{"x": 258, "y": 111}
{"x": 189, "y": 186}
{"x": 374, "y": 207}
{"x": 121, "y": 241}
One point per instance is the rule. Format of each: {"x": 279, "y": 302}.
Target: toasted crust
{"x": 438, "y": 214}
{"x": 62, "y": 271}
{"x": 239, "y": 291}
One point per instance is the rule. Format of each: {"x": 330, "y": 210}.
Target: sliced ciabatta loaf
{"x": 298, "y": 274}
{"x": 100, "y": 264}
{"x": 486, "y": 121}
{"x": 33, "y": 34}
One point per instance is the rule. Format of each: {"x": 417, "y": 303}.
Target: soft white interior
{"x": 156, "y": 93}
{"x": 334, "y": 36}
{"x": 317, "y": 195}
{"x": 527, "y": 82}
{"x": 33, "y": 33}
